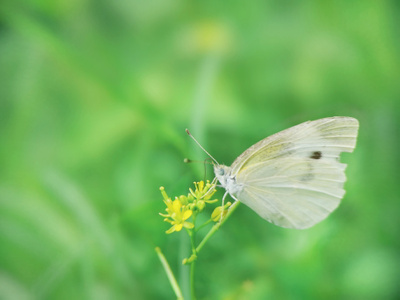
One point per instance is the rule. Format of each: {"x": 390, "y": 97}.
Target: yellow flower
{"x": 177, "y": 214}
{"x": 183, "y": 207}
{"x": 203, "y": 191}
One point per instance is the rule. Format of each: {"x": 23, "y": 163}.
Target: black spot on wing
{"x": 316, "y": 155}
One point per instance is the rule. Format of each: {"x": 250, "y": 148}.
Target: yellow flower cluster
{"x": 183, "y": 207}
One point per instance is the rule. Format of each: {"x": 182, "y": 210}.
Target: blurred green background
{"x": 94, "y": 100}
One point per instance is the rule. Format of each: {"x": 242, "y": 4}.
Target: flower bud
{"x": 216, "y": 214}
{"x": 183, "y": 199}
{"x": 200, "y": 205}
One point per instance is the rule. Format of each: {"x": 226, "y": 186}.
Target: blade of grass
{"x": 170, "y": 275}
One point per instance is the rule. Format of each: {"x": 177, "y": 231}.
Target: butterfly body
{"x": 227, "y": 180}
{"x": 293, "y": 178}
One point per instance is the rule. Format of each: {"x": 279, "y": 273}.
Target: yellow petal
{"x": 176, "y": 205}
{"x": 186, "y": 215}
{"x": 171, "y": 230}
{"x": 178, "y": 227}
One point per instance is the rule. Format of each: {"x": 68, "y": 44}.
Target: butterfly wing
{"x": 294, "y": 178}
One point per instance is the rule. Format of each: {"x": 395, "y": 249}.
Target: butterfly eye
{"x": 221, "y": 172}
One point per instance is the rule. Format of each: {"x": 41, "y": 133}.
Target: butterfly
{"x": 294, "y": 178}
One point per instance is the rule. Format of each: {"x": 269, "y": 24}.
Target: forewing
{"x": 294, "y": 178}
{"x": 337, "y": 133}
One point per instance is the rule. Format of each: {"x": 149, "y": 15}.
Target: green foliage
{"x": 94, "y": 100}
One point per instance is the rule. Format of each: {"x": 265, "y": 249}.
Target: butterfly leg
{"x": 223, "y": 203}
{"x": 234, "y": 198}
{"x": 222, "y": 211}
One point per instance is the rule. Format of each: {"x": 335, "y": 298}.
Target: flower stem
{"x": 192, "y": 235}
{"x": 204, "y": 225}
{"x": 170, "y": 275}
{"x": 192, "y": 289}
{"x": 217, "y": 226}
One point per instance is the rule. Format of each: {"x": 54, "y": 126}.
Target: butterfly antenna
{"x": 205, "y": 162}
{"x": 187, "y": 131}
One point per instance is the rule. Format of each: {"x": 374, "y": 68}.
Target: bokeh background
{"x": 94, "y": 100}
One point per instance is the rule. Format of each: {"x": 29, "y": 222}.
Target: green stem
{"x": 217, "y": 226}
{"x": 192, "y": 234}
{"x": 170, "y": 275}
{"x": 203, "y": 225}
{"x": 192, "y": 268}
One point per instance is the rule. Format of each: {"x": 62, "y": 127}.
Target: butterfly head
{"x": 222, "y": 173}
{"x": 226, "y": 179}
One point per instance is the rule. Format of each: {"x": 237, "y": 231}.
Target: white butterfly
{"x": 293, "y": 178}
